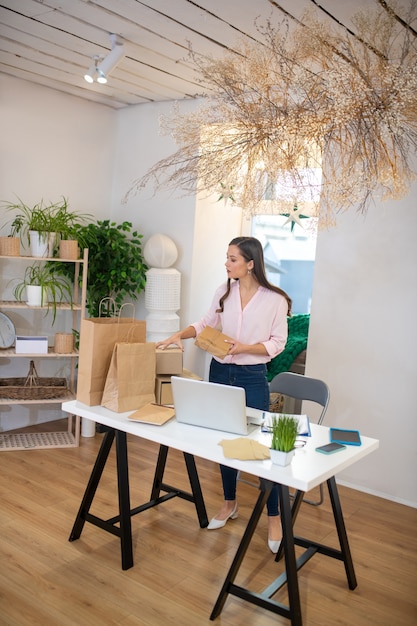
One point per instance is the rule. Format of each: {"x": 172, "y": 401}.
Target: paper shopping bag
{"x": 213, "y": 341}
{"x": 130, "y": 382}
{"x": 98, "y": 336}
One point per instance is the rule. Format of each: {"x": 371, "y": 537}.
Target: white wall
{"x": 362, "y": 339}
{"x": 52, "y": 145}
{"x": 200, "y": 227}
{"x": 55, "y": 145}
{"x": 362, "y": 332}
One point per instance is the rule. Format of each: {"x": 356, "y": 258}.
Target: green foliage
{"x": 116, "y": 268}
{"x": 284, "y": 433}
{"x": 52, "y": 218}
{"x": 54, "y": 286}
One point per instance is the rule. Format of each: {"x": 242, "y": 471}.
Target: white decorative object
{"x": 88, "y": 427}
{"x": 163, "y": 288}
{"x": 160, "y": 251}
{"x": 31, "y": 345}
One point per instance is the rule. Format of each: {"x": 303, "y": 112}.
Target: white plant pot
{"x": 281, "y": 458}
{"x": 41, "y": 244}
{"x": 34, "y": 295}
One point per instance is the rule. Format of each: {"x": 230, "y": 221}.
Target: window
{"x": 289, "y": 251}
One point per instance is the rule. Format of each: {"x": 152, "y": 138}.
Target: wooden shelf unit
{"x": 71, "y": 437}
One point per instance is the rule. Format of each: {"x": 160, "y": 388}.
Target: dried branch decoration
{"x": 304, "y": 98}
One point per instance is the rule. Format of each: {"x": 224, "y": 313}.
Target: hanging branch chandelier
{"x": 305, "y": 100}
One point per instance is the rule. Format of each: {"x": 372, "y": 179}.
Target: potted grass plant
{"x": 284, "y": 433}
{"x": 43, "y": 287}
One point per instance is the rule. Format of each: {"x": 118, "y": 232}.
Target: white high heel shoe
{"x": 274, "y": 545}
{"x": 219, "y": 523}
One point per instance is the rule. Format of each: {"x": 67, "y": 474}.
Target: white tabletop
{"x": 307, "y": 469}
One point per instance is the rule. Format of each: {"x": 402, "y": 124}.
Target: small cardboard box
{"x": 31, "y": 345}
{"x": 163, "y": 392}
{"x": 169, "y": 361}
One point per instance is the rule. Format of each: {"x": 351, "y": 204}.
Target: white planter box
{"x": 31, "y": 345}
{"x": 281, "y": 458}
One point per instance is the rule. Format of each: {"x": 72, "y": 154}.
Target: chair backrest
{"x": 302, "y": 387}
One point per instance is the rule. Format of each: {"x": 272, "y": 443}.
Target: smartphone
{"x": 330, "y": 448}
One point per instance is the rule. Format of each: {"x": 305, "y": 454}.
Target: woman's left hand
{"x": 235, "y": 347}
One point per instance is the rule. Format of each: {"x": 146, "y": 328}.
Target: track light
{"x": 104, "y": 66}
{"x": 89, "y": 76}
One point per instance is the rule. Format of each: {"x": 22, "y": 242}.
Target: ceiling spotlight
{"x": 89, "y": 76}
{"x": 111, "y": 60}
{"x": 103, "y": 66}
{"x": 101, "y": 77}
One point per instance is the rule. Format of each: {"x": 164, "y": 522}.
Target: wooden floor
{"x": 179, "y": 568}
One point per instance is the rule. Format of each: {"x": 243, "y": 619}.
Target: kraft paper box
{"x": 169, "y": 361}
{"x": 163, "y": 392}
{"x": 213, "y": 341}
{"x": 31, "y": 345}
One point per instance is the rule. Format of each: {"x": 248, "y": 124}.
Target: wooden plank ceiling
{"x": 52, "y": 42}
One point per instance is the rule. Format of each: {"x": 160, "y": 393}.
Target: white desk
{"x": 307, "y": 470}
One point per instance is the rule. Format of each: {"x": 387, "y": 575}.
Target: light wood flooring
{"x": 179, "y": 568}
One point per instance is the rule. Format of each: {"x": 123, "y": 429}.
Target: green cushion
{"x": 296, "y": 343}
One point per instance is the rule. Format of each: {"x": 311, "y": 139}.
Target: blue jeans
{"x": 253, "y": 379}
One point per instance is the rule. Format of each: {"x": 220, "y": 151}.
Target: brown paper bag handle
{"x": 112, "y": 304}
{"x": 109, "y": 301}
{"x": 131, "y": 330}
{"x": 127, "y": 304}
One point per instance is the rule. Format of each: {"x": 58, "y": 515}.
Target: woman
{"x": 253, "y": 312}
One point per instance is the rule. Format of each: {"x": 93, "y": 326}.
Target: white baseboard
{"x": 372, "y": 492}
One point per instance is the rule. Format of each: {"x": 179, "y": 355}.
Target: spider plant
{"x": 54, "y": 288}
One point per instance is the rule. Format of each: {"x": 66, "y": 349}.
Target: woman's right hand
{"x": 175, "y": 339}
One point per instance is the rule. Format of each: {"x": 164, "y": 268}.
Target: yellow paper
{"x": 152, "y": 414}
{"x": 244, "y": 449}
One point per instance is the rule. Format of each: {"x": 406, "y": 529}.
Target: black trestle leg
{"x": 92, "y": 485}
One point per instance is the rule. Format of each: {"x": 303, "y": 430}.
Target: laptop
{"x": 211, "y": 405}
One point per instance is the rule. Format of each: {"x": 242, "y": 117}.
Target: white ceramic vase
{"x": 41, "y": 244}
{"x": 34, "y": 295}
{"x": 281, "y": 458}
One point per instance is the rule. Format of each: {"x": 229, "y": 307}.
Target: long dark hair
{"x": 251, "y": 250}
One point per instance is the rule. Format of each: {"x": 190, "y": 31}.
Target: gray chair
{"x": 302, "y": 388}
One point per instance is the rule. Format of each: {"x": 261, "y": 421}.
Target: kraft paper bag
{"x": 213, "y": 341}
{"x": 130, "y": 382}
{"x": 98, "y": 336}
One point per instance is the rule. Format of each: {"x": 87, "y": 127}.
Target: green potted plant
{"x": 31, "y": 224}
{"x": 116, "y": 268}
{"x": 43, "y": 287}
{"x": 284, "y": 433}
{"x": 41, "y": 224}
{"x": 68, "y": 228}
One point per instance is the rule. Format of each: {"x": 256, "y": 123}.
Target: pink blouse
{"x": 263, "y": 320}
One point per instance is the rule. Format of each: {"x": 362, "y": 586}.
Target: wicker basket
{"x": 68, "y": 249}
{"x": 63, "y": 343}
{"x": 32, "y": 387}
{"x": 276, "y": 402}
{"x": 9, "y": 246}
